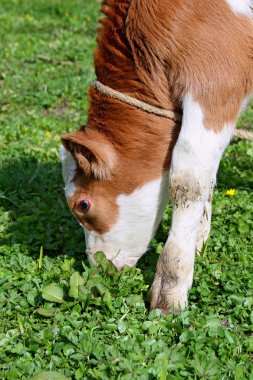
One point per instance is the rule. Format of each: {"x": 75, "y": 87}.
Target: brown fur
{"x": 200, "y": 47}
{"x": 143, "y": 146}
{"x": 158, "y": 51}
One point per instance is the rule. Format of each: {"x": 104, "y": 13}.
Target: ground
{"x": 59, "y": 314}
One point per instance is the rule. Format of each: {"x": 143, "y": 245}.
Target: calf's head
{"x": 116, "y": 193}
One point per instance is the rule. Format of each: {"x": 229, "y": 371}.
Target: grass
{"x": 82, "y": 322}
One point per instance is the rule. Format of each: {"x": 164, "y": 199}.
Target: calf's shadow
{"x": 34, "y": 209}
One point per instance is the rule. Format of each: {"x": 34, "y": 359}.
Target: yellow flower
{"x": 48, "y": 134}
{"x": 230, "y": 192}
{"x": 28, "y": 17}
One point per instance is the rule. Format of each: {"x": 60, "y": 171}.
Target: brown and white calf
{"x": 193, "y": 57}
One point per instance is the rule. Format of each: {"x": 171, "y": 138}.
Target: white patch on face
{"x": 139, "y": 216}
{"x": 68, "y": 171}
{"x": 241, "y": 6}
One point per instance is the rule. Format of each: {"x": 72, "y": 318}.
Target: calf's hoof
{"x": 166, "y": 297}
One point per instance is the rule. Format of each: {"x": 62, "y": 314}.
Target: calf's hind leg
{"x": 195, "y": 161}
{"x": 204, "y": 225}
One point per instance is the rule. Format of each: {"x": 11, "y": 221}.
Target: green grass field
{"x": 59, "y": 314}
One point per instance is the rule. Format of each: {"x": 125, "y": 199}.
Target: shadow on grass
{"x": 35, "y": 212}
{"x": 236, "y": 166}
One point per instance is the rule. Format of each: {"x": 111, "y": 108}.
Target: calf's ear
{"x": 93, "y": 152}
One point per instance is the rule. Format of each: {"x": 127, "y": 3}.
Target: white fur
{"x": 197, "y": 153}
{"x": 68, "y": 170}
{"x": 198, "y": 145}
{"x": 241, "y": 6}
{"x": 195, "y": 161}
{"x": 139, "y": 216}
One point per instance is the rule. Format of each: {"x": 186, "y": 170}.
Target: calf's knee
{"x": 187, "y": 187}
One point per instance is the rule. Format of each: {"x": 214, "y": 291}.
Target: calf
{"x": 154, "y": 61}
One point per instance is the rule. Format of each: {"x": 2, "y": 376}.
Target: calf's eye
{"x": 84, "y": 205}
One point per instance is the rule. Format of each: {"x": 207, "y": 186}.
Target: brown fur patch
{"x": 199, "y": 47}
{"x": 142, "y": 145}
{"x": 92, "y": 151}
{"x": 159, "y": 51}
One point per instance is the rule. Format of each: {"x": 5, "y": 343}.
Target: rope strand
{"x": 110, "y": 92}
{"x": 243, "y": 134}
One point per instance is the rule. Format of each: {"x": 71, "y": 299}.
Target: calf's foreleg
{"x": 195, "y": 161}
